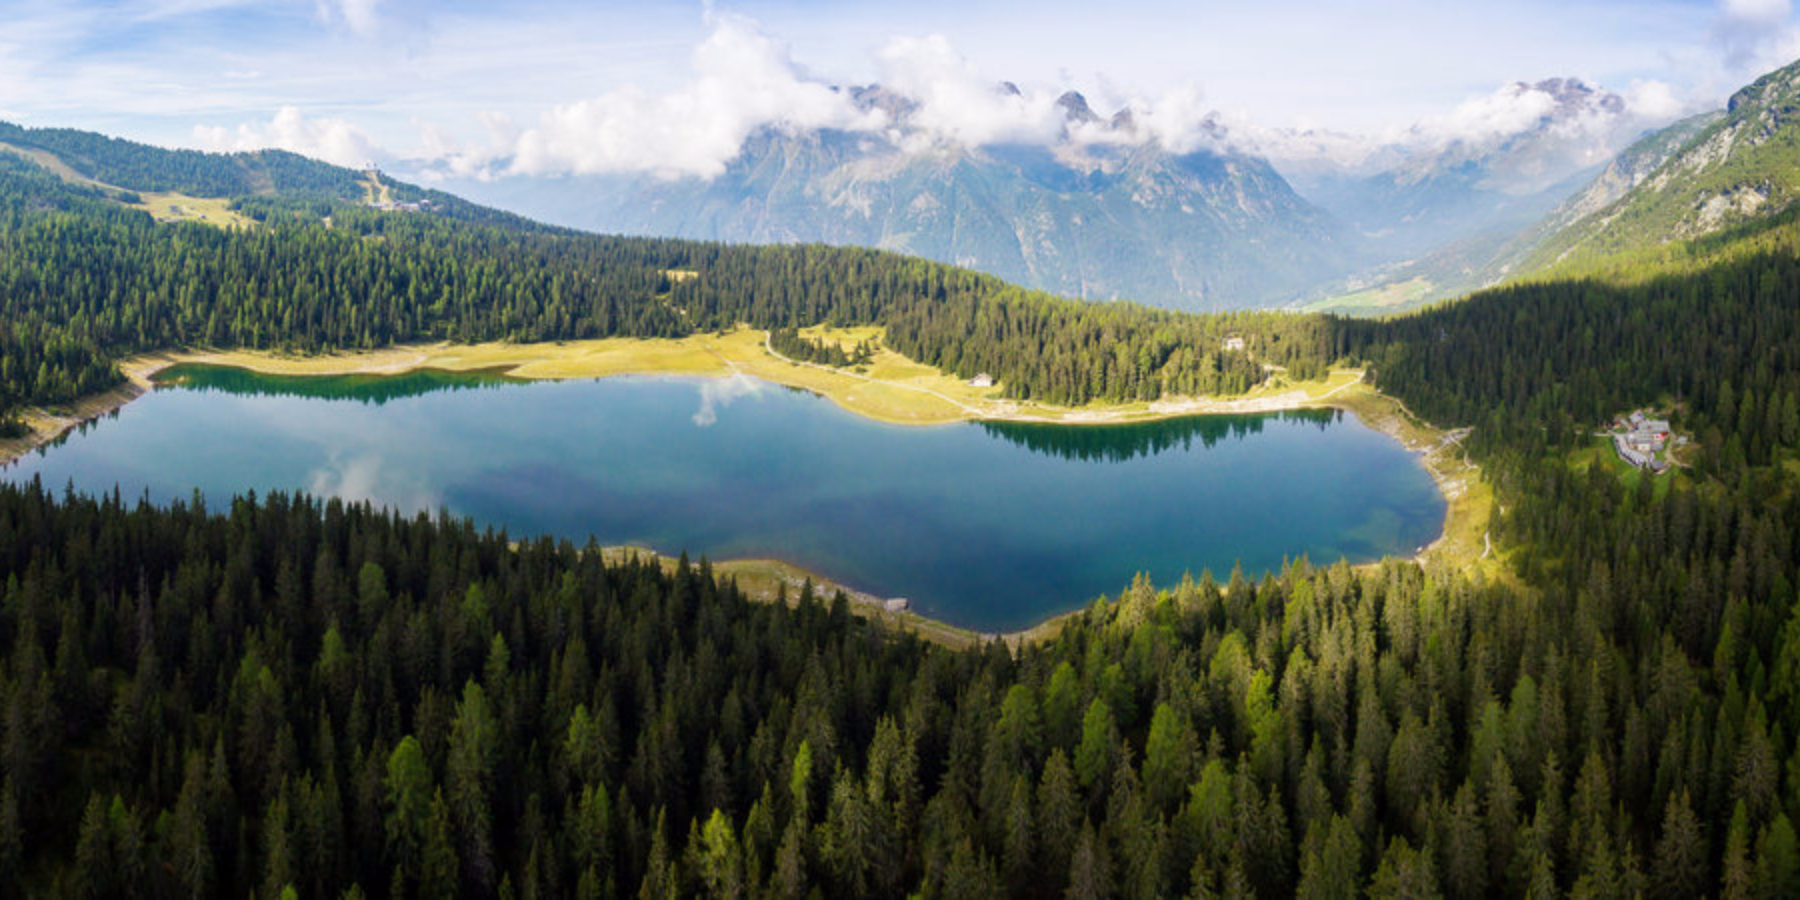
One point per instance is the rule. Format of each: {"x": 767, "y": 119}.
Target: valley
{"x": 432, "y": 551}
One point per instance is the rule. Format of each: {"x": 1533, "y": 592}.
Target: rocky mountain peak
{"x": 897, "y": 106}
{"x": 1075, "y": 108}
{"x": 1784, "y": 81}
{"x": 1572, "y": 95}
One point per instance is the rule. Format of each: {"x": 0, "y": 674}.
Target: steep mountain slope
{"x": 1487, "y": 176}
{"x": 1632, "y": 167}
{"x": 1735, "y": 171}
{"x": 1488, "y": 259}
{"x": 1114, "y": 217}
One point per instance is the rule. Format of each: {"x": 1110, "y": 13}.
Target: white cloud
{"x": 1549, "y": 132}
{"x": 367, "y": 478}
{"x": 332, "y": 140}
{"x": 1754, "y": 35}
{"x": 1481, "y": 120}
{"x": 743, "y": 81}
{"x": 718, "y": 393}
{"x": 449, "y": 157}
{"x": 1308, "y": 149}
{"x": 1654, "y": 101}
{"x": 958, "y": 105}
{"x": 360, "y": 16}
{"x": 1179, "y": 120}
{"x": 689, "y": 109}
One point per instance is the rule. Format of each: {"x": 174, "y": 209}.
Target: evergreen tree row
{"x": 84, "y": 281}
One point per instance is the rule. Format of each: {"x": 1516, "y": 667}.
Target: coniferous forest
{"x": 84, "y": 281}
{"x": 292, "y": 695}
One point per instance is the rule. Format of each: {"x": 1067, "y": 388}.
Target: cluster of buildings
{"x": 1640, "y": 438}
{"x": 401, "y": 207}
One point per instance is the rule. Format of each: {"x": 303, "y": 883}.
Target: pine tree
{"x": 12, "y": 834}
{"x": 1465, "y": 854}
{"x": 1059, "y": 817}
{"x": 409, "y": 802}
{"x": 1737, "y": 880}
{"x": 437, "y": 861}
{"x": 96, "y": 869}
{"x": 1777, "y": 860}
{"x": 472, "y": 757}
{"x": 1099, "y": 739}
{"x": 1404, "y": 874}
{"x": 1167, "y": 752}
{"x": 1090, "y": 871}
{"x": 721, "y": 866}
{"x": 1330, "y": 867}
{"x": 846, "y": 836}
{"x": 1017, "y": 850}
{"x": 1679, "y": 869}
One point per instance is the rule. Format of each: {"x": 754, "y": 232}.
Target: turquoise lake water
{"x": 989, "y": 526}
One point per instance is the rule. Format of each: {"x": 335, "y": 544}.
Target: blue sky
{"x": 413, "y": 78}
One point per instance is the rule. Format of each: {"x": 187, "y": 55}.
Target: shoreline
{"x": 1463, "y": 542}
{"x": 49, "y": 424}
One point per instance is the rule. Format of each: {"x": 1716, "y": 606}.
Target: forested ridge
{"x": 132, "y": 166}
{"x": 84, "y": 281}
{"x": 292, "y": 693}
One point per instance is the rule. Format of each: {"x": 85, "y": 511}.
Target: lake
{"x": 989, "y": 526}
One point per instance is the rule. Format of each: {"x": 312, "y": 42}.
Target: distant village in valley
{"x": 1645, "y": 441}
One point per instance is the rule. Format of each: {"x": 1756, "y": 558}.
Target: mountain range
{"x": 1447, "y": 189}
{"x": 1100, "y": 213}
{"x": 1223, "y": 218}
{"x": 1232, "y": 218}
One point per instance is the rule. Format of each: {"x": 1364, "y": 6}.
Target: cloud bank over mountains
{"x": 742, "y": 79}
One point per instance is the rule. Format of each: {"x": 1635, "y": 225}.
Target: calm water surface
{"x": 990, "y": 526}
